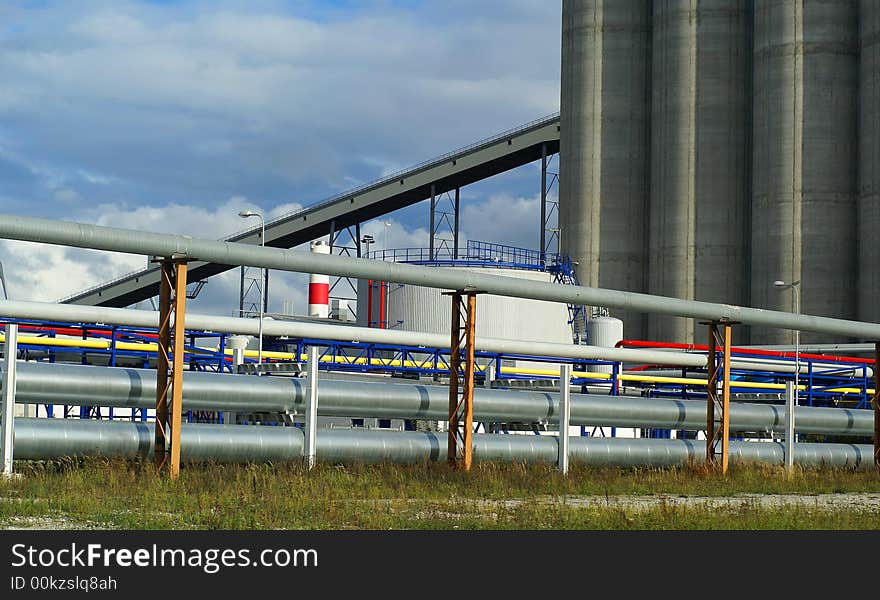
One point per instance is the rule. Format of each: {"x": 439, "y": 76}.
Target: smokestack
{"x": 319, "y": 287}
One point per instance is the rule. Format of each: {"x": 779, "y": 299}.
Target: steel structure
{"x": 459, "y": 446}
{"x": 451, "y": 171}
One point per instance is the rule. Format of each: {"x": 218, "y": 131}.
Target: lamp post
{"x": 244, "y": 215}
{"x": 791, "y": 402}
{"x": 367, "y": 240}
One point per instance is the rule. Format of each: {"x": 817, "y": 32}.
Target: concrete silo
{"x": 805, "y": 159}
{"x": 700, "y": 154}
{"x": 603, "y": 185}
{"x": 869, "y": 163}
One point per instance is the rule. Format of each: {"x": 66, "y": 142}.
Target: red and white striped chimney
{"x": 319, "y": 287}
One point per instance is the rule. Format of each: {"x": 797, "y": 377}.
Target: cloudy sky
{"x": 172, "y": 116}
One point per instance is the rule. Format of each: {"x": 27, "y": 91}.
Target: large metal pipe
{"x": 80, "y": 235}
{"x": 325, "y": 331}
{"x": 37, "y": 439}
{"x": 43, "y": 383}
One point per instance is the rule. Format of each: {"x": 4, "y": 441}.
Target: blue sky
{"x": 174, "y": 115}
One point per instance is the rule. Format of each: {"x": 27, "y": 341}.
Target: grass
{"x": 130, "y": 495}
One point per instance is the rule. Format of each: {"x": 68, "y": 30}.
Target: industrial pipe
{"x": 41, "y": 439}
{"x": 45, "y": 383}
{"x": 346, "y": 333}
{"x": 95, "y": 237}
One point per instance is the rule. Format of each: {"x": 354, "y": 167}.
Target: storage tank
{"x": 606, "y": 332}
{"x": 869, "y": 161}
{"x": 805, "y": 160}
{"x": 603, "y": 171}
{"x": 700, "y": 120}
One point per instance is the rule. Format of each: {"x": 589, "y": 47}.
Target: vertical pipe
{"x": 319, "y": 286}
{"x": 564, "y": 416}
{"x": 431, "y": 224}
{"x": 457, "y": 220}
{"x": 7, "y": 432}
{"x": 311, "y": 425}
{"x": 176, "y": 406}
{"x": 369, "y": 303}
{"x": 383, "y": 322}
{"x": 489, "y": 371}
{"x": 163, "y": 364}
{"x": 725, "y": 406}
{"x": 790, "y": 392}
{"x": 542, "y": 248}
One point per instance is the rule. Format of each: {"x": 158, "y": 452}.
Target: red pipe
{"x": 382, "y": 323}
{"x": 754, "y": 351}
{"x": 370, "y": 303}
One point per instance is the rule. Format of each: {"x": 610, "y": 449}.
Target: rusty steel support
{"x": 718, "y": 400}
{"x": 460, "y": 449}
{"x": 877, "y": 405}
{"x": 169, "y": 369}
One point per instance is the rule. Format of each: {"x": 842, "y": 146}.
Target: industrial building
{"x": 711, "y": 147}
{"x": 705, "y": 149}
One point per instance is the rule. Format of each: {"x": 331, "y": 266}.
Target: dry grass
{"x": 130, "y": 495}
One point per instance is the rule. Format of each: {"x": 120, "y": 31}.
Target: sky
{"x": 172, "y": 116}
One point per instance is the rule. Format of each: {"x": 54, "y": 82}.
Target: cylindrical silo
{"x": 805, "y": 159}
{"x": 603, "y": 155}
{"x": 319, "y": 286}
{"x": 700, "y": 118}
{"x": 869, "y": 161}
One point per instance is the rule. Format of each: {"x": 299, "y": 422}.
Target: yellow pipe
{"x": 102, "y": 344}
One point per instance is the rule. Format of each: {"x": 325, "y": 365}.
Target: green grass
{"x": 130, "y": 495}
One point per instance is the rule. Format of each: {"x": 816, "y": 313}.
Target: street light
{"x": 790, "y": 403}
{"x": 244, "y": 215}
{"x": 367, "y": 239}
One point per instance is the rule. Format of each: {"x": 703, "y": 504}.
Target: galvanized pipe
{"x": 344, "y": 333}
{"x": 43, "y": 383}
{"x": 40, "y": 439}
{"x": 113, "y": 239}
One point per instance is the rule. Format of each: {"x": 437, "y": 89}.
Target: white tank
{"x": 605, "y": 332}
{"x": 416, "y": 308}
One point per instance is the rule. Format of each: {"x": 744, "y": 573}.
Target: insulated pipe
{"x": 41, "y": 439}
{"x": 319, "y": 287}
{"x": 80, "y": 235}
{"x": 345, "y": 333}
{"x": 44, "y": 383}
